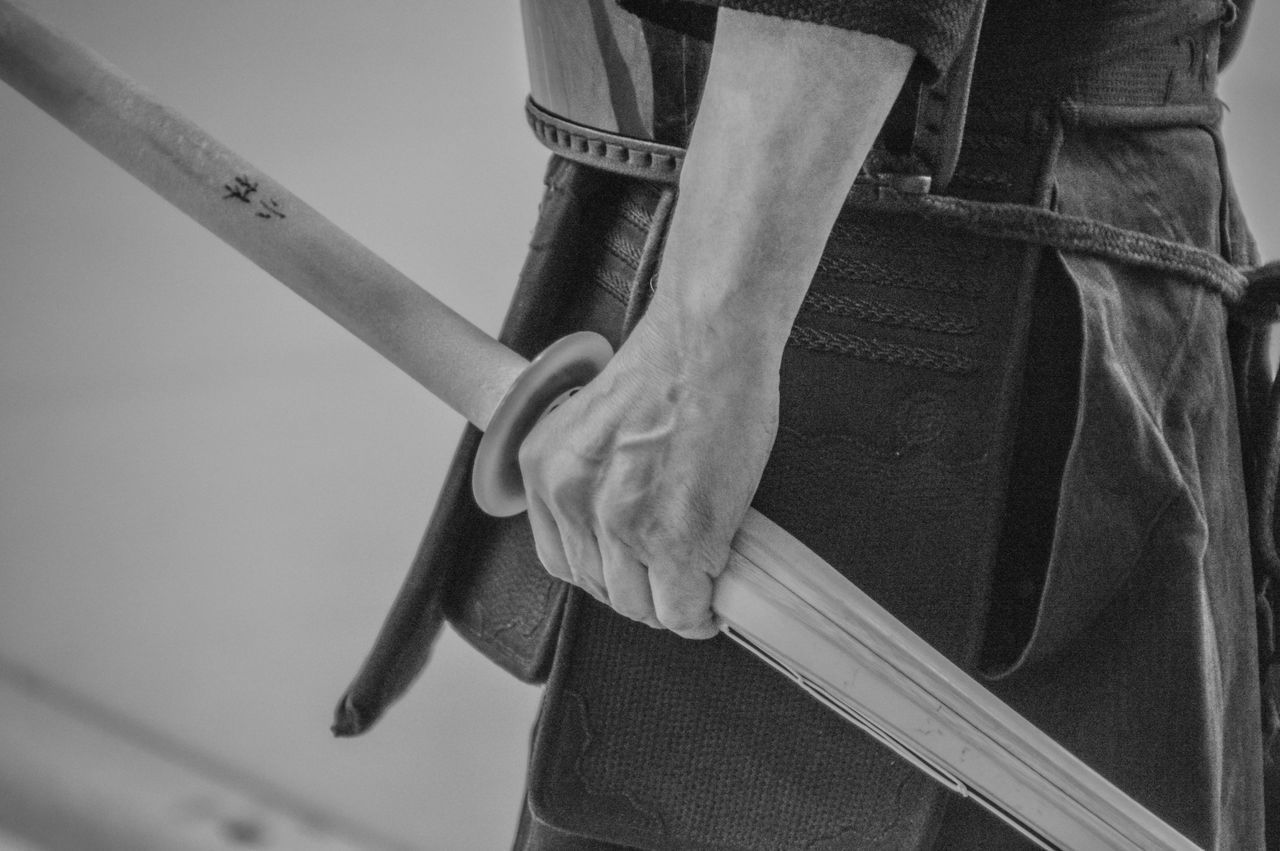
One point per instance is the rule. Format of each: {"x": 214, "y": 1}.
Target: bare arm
{"x": 637, "y": 484}
{"x": 788, "y": 116}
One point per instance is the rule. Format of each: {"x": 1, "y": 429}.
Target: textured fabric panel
{"x": 1142, "y": 658}
{"x": 1017, "y": 35}
{"x": 1138, "y": 329}
{"x": 1051, "y": 35}
{"x": 662, "y": 745}
{"x": 656, "y": 742}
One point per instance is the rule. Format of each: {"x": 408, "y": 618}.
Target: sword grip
{"x": 552, "y": 377}
{"x": 258, "y": 217}
{"x": 492, "y": 386}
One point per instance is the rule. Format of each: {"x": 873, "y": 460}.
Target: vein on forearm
{"x": 789, "y": 112}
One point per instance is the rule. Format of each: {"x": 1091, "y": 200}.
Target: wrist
{"x": 708, "y": 342}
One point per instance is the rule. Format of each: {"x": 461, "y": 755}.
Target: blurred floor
{"x": 9, "y": 842}
{"x": 209, "y": 493}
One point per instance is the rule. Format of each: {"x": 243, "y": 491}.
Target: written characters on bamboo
{"x": 243, "y": 189}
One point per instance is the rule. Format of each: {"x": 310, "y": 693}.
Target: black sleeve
{"x": 934, "y": 28}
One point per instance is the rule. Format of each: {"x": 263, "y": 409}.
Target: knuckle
{"x": 593, "y": 588}
{"x": 711, "y": 557}
{"x": 704, "y": 631}
{"x": 614, "y": 523}
{"x": 583, "y": 557}
{"x": 550, "y": 559}
{"x": 682, "y": 619}
{"x": 633, "y": 609}
{"x": 555, "y": 568}
{"x": 570, "y": 496}
{"x": 529, "y": 453}
{"x": 588, "y": 583}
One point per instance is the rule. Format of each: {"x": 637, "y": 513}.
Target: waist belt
{"x": 596, "y": 66}
{"x": 658, "y": 163}
{"x": 614, "y": 92}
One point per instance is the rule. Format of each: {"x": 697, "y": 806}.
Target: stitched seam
{"x": 613, "y": 284}
{"x": 584, "y": 775}
{"x": 880, "y": 351}
{"x": 637, "y": 215}
{"x": 988, "y": 178}
{"x": 621, "y": 248}
{"x": 875, "y": 274}
{"x": 888, "y": 314}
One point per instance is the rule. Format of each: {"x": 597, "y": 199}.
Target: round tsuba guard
{"x": 562, "y": 368}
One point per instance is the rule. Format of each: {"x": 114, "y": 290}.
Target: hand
{"x": 638, "y": 483}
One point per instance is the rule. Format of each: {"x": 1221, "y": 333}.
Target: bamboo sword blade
{"x": 777, "y": 597}
{"x": 785, "y": 604}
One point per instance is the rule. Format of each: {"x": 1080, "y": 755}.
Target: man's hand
{"x": 637, "y": 484}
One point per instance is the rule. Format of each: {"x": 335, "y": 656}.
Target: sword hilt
{"x": 264, "y": 221}
{"x": 550, "y": 378}
{"x": 486, "y": 382}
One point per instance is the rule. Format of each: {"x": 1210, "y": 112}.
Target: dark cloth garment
{"x": 935, "y": 28}
{"x": 1120, "y": 611}
{"x": 1122, "y": 614}
{"x": 1018, "y": 33}
{"x": 890, "y": 453}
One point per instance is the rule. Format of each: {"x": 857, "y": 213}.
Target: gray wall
{"x": 208, "y": 492}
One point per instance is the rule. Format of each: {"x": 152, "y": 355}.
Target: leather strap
{"x": 637, "y": 86}
{"x": 941, "y": 108}
{"x": 613, "y": 152}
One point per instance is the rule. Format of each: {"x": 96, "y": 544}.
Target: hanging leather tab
{"x": 941, "y": 108}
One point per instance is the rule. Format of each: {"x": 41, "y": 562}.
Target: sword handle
{"x": 258, "y": 217}
{"x": 492, "y": 386}
{"x": 552, "y": 377}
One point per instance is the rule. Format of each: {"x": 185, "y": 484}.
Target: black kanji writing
{"x": 270, "y": 209}
{"x": 242, "y": 189}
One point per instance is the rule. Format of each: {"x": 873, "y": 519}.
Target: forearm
{"x": 637, "y": 484}
{"x": 789, "y": 112}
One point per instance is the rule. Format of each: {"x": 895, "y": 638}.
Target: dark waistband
{"x": 899, "y": 194}
{"x": 598, "y": 66}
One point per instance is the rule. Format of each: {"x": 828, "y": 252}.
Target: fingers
{"x": 663, "y": 594}
{"x": 598, "y": 536}
{"x": 672, "y": 596}
{"x": 584, "y": 558}
{"x": 627, "y": 581}
{"x": 682, "y": 599}
{"x": 574, "y": 554}
{"x": 567, "y": 550}
{"x": 546, "y": 539}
